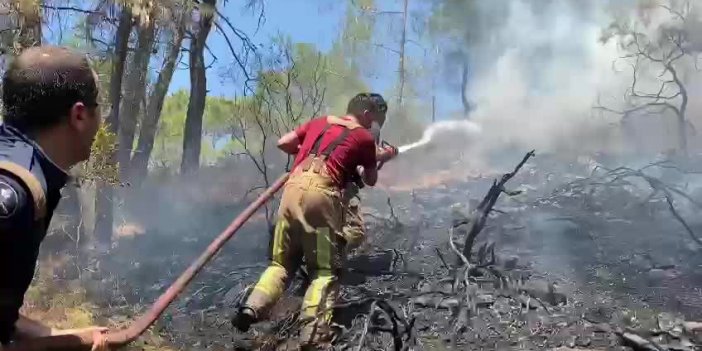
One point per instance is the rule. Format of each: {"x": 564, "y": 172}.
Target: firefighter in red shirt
{"x": 331, "y": 151}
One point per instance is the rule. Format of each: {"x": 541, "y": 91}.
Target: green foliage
{"x": 169, "y": 137}
{"x": 218, "y": 116}
{"x": 297, "y": 84}
{"x": 100, "y": 167}
{"x": 352, "y": 56}
{"x": 219, "y": 122}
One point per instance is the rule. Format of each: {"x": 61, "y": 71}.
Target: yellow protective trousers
{"x": 309, "y": 226}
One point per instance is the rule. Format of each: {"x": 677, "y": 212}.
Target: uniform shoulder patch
{"x": 9, "y": 200}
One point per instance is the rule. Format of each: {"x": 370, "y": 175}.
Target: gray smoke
{"x": 543, "y": 66}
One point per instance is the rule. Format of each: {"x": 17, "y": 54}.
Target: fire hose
{"x": 117, "y": 339}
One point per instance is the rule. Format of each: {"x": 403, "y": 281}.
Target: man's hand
{"x": 385, "y": 154}
{"x": 99, "y": 339}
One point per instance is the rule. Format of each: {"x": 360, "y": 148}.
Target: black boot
{"x": 243, "y": 318}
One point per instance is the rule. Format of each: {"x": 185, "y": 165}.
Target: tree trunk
{"x": 682, "y": 136}
{"x": 29, "y": 21}
{"x": 464, "y": 88}
{"x": 682, "y": 122}
{"x": 433, "y": 108}
{"x": 103, "y": 200}
{"x": 192, "y": 135}
{"x": 403, "y": 43}
{"x": 147, "y": 133}
{"x": 135, "y": 88}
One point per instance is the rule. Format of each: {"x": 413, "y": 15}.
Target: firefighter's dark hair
{"x": 42, "y": 84}
{"x": 366, "y": 102}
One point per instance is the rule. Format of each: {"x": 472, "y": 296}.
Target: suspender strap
{"x": 317, "y": 164}
{"x": 331, "y": 147}
{"x": 318, "y": 141}
{"x": 336, "y": 143}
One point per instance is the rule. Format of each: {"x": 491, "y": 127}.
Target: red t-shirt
{"x": 358, "y": 149}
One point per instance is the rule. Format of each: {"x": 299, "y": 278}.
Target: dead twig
{"x": 366, "y": 325}
{"x": 480, "y": 214}
{"x": 618, "y": 177}
{"x": 441, "y": 257}
{"x": 395, "y": 220}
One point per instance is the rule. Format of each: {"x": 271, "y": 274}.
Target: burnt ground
{"x": 583, "y": 258}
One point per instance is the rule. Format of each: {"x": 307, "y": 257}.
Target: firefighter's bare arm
{"x": 289, "y": 143}
{"x": 27, "y": 328}
{"x": 99, "y": 339}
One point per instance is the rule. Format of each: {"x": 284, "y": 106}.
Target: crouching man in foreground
{"x": 50, "y": 119}
{"x": 330, "y": 151}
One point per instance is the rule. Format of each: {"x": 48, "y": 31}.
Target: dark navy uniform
{"x": 30, "y": 189}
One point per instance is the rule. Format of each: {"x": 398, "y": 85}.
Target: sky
{"x": 303, "y": 20}
{"x": 317, "y": 22}
{"x": 306, "y": 21}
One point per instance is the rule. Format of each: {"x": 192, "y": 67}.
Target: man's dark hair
{"x": 366, "y": 102}
{"x": 43, "y": 83}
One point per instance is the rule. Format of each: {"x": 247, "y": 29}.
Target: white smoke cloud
{"x": 540, "y": 92}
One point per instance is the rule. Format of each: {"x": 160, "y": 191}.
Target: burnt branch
{"x": 663, "y": 55}
{"x": 619, "y": 177}
{"x": 479, "y": 216}
{"x": 400, "y": 329}
{"x": 441, "y": 257}
{"x": 393, "y": 217}
{"x": 70, "y": 9}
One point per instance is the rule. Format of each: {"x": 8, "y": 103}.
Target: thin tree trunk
{"x": 433, "y": 108}
{"x": 403, "y": 43}
{"x": 682, "y": 135}
{"x": 135, "y": 88}
{"x": 192, "y": 136}
{"x": 104, "y": 204}
{"x": 147, "y": 133}
{"x": 464, "y": 88}
{"x": 682, "y": 111}
{"x": 29, "y": 21}
{"x": 682, "y": 123}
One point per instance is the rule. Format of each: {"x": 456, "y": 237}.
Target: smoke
{"x": 542, "y": 70}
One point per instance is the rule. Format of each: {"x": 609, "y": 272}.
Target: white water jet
{"x": 462, "y": 126}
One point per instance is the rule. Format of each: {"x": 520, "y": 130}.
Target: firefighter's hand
{"x": 99, "y": 339}
{"x": 386, "y": 154}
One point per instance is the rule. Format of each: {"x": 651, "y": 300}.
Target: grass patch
{"x": 65, "y": 304}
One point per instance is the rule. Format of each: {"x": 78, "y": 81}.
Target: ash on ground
{"x": 586, "y": 256}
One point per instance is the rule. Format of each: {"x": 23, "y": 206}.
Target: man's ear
{"x": 367, "y": 117}
{"x": 77, "y": 113}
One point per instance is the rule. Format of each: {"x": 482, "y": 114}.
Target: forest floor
{"x": 584, "y": 258}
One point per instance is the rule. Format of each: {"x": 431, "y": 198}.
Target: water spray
{"x": 463, "y": 126}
